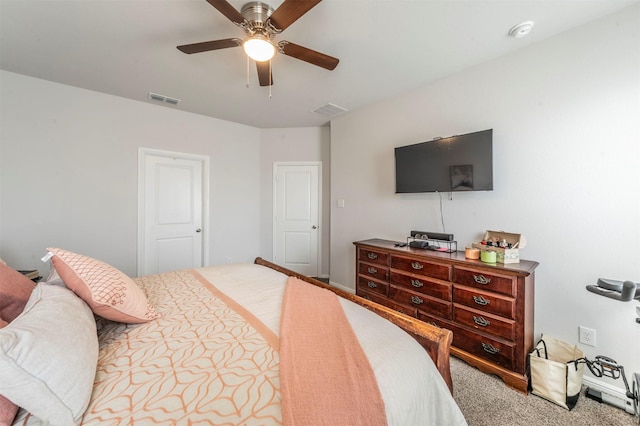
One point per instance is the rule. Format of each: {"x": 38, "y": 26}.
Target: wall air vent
{"x": 330, "y": 110}
{"x": 162, "y": 98}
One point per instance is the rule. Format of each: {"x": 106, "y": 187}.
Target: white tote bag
{"x": 556, "y": 370}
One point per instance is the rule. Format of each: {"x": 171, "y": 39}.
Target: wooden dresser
{"x": 488, "y": 307}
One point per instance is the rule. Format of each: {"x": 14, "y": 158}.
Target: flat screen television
{"x": 456, "y": 163}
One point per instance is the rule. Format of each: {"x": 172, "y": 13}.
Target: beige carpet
{"x": 485, "y": 400}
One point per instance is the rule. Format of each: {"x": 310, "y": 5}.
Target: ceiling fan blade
{"x": 227, "y": 10}
{"x": 265, "y": 77}
{"x": 308, "y": 55}
{"x": 290, "y": 11}
{"x": 205, "y": 46}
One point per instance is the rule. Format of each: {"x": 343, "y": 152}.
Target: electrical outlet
{"x": 229, "y": 260}
{"x": 587, "y": 336}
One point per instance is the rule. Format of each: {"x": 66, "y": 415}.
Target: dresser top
{"x": 525, "y": 267}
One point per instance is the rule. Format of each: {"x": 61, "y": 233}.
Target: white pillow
{"x": 48, "y": 356}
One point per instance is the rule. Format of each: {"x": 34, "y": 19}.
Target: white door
{"x": 296, "y": 204}
{"x": 171, "y": 211}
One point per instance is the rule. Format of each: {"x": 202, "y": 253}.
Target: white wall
{"x": 68, "y": 173}
{"x": 299, "y": 144}
{"x": 566, "y": 120}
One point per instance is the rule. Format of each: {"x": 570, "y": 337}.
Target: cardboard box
{"x": 503, "y": 255}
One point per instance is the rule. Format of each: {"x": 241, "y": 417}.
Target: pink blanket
{"x": 326, "y": 378}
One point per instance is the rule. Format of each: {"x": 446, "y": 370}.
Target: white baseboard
{"x": 343, "y": 288}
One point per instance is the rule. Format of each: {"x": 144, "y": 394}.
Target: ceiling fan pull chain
{"x": 270, "y": 79}
{"x": 247, "y": 84}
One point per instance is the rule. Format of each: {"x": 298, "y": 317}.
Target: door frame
{"x": 317, "y": 164}
{"x": 143, "y": 153}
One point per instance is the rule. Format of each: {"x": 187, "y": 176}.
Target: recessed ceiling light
{"x": 521, "y": 30}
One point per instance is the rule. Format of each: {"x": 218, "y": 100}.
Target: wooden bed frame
{"x": 436, "y": 341}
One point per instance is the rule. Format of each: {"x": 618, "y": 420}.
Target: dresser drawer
{"x": 372, "y": 256}
{"x": 485, "y": 281}
{"x": 439, "y": 289}
{"x": 429, "y": 319}
{"x": 496, "y": 350}
{"x": 420, "y": 301}
{"x": 403, "y": 309}
{"x": 372, "y": 285}
{"x": 433, "y": 270}
{"x": 381, "y": 300}
{"x": 375, "y": 271}
{"x": 484, "y": 301}
{"x": 488, "y": 323}
{"x": 374, "y": 297}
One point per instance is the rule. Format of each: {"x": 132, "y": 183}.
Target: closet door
{"x": 297, "y": 216}
{"x": 171, "y": 212}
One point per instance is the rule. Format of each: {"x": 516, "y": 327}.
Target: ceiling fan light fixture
{"x": 259, "y": 48}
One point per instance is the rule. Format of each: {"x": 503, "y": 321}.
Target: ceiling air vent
{"x": 330, "y": 110}
{"x": 162, "y": 98}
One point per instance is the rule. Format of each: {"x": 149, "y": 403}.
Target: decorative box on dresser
{"x": 488, "y": 307}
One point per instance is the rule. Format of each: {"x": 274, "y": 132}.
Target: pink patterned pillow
{"x": 110, "y": 293}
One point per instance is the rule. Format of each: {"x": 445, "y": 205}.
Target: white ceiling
{"x": 128, "y": 48}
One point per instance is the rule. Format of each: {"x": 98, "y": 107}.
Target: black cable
{"x": 444, "y": 229}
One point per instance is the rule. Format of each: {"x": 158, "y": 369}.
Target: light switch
{"x": 340, "y": 203}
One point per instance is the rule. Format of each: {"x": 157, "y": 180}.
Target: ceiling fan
{"x": 262, "y": 23}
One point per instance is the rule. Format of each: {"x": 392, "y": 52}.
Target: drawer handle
{"x": 371, "y": 284}
{"x": 416, "y": 300}
{"x": 481, "y": 321}
{"x": 489, "y": 348}
{"x": 481, "y": 300}
{"x": 364, "y": 296}
{"x": 417, "y": 283}
{"x": 416, "y": 265}
{"x": 372, "y": 256}
{"x": 371, "y": 270}
{"x": 481, "y": 279}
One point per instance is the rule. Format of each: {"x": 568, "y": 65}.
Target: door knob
{"x": 198, "y": 230}
{"x": 314, "y": 227}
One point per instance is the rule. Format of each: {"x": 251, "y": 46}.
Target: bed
{"x": 207, "y": 346}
